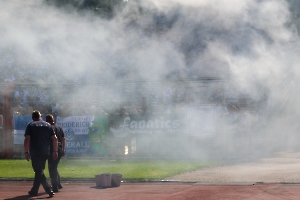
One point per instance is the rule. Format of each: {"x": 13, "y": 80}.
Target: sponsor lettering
{"x": 74, "y": 124}
{"x": 155, "y": 124}
{"x": 73, "y": 151}
{"x": 77, "y": 144}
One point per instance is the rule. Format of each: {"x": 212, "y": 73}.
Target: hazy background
{"x": 249, "y": 46}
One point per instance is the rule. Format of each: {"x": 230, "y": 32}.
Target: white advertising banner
{"x": 200, "y": 120}
{"x": 78, "y": 125}
{"x": 76, "y": 130}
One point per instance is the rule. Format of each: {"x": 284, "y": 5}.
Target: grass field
{"x": 84, "y": 169}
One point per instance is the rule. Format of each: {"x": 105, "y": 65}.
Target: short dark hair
{"x": 49, "y": 117}
{"x": 36, "y": 114}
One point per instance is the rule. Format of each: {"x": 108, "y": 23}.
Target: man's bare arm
{"x": 55, "y": 147}
{"x": 26, "y": 147}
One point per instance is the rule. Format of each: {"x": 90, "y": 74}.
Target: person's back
{"x": 40, "y": 137}
{"x": 60, "y": 137}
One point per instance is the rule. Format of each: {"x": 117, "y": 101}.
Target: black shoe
{"x": 32, "y": 193}
{"x": 51, "y": 194}
{"x": 55, "y": 190}
{"x": 60, "y": 186}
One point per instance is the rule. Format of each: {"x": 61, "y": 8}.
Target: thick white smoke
{"x": 205, "y": 36}
{"x": 152, "y": 40}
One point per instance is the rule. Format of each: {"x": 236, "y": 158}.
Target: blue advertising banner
{"x": 20, "y": 123}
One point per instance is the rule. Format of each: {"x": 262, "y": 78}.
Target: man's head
{"x": 36, "y": 115}
{"x": 50, "y": 119}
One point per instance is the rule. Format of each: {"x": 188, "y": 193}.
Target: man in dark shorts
{"x": 38, "y": 135}
{"x": 52, "y": 164}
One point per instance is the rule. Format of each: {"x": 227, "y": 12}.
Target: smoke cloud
{"x": 250, "y": 46}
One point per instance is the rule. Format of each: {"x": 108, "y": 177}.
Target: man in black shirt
{"x": 52, "y": 164}
{"x": 38, "y": 135}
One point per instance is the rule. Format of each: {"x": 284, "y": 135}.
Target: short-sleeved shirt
{"x": 40, "y": 133}
{"x": 59, "y": 134}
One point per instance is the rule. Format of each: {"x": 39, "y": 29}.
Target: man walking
{"x": 53, "y": 163}
{"x": 38, "y": 135}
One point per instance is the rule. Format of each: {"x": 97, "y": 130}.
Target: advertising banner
{"x": 20, "y": 123}
{"x": 122, "y": 126}
{"x": 76, "y": 129}
{"x": 84, "y": 134}
{"x": 88, "y": 134}
{"x": 98, "y": 141}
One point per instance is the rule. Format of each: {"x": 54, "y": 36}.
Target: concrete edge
{"x": 92, "y": 180}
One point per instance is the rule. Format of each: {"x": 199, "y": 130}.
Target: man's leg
{"x": 52, "y": 167}
{"x": 36, "y": 182}
{"x": 59, "y": 186}
{"x": 59, "y": 182}
{"x": 43, "y": 179}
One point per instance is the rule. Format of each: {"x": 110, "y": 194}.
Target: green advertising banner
{"x": 98, "y": 135}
